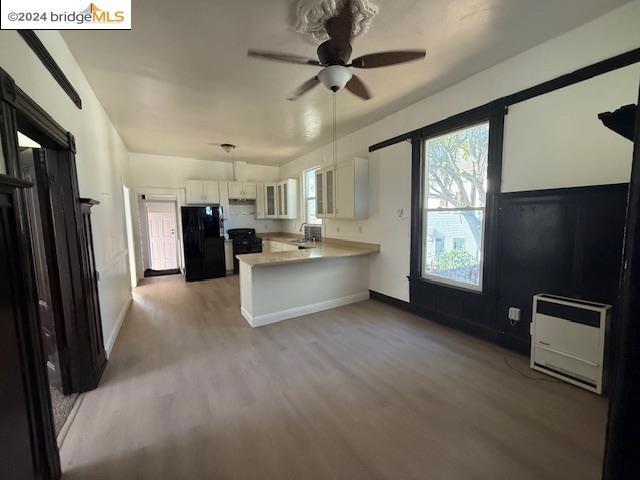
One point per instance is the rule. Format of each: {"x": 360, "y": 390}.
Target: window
{"x": 310, "y": 197}
{"x": 455, "y": 186}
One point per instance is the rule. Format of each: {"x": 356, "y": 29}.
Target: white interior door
{"x": 162, "y": 239}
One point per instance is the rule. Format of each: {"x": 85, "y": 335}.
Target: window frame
{"x": 439, "y": 279}
{"x": 306, "y": 198}
{"x": 493, "y": 113}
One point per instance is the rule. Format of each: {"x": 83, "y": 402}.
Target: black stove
{"x": 244, "y": 241}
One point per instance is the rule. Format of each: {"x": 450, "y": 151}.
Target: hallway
{"x": 363, "y": 391}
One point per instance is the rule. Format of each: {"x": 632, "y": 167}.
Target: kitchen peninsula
{"x": 279, "y": 285}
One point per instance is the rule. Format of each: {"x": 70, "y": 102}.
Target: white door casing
{"x": 162, "y": 240}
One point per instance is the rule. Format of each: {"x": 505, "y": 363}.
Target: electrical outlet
{"x": 359, "y": 228}
{"x": 338, "y": 229}
{"x": 514, "y": 314}
{"x": 400, "y": 212}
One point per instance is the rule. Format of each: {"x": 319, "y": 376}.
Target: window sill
{"x": 426, "y": 281}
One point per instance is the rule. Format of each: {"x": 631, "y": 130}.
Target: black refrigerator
{"x": 203, "y": 243}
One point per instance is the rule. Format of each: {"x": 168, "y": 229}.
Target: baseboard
{"x": 114, "y": 335}
{"x": 396, "y": 302}
{"x": 266, "y": 319}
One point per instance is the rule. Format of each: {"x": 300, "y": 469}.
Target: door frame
{"x": 14, "y": 103}
{"x": 177, "y": 195}
{"x": 174, "y": 211}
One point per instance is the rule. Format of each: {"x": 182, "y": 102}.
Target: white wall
{"x": 102, "y": 159}
{"x": 556, "y": 140}
{"x": 162, "y": 171}
{"x": 609, "y": 35}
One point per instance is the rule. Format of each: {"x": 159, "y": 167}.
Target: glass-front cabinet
{"x": 325, "y": 192}
{"x": 271, "y": 200}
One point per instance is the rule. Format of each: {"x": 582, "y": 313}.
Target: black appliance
{"x": 203, "y": 243}
{"x": 244, "y": 241}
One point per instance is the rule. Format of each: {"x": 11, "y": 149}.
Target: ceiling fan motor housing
{"x": 334, "y": 53}
{"x": 334, "y": 77}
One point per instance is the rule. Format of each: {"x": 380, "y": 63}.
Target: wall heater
{"x": 568, "y": 339}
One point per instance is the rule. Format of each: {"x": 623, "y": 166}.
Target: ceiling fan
{"x": 333, "y": 56}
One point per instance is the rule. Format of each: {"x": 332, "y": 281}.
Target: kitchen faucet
{"x": 301, "y": 227}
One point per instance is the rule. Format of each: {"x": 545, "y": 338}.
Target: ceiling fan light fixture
{"x": 334, "y": 77}
{"x": 228, "y": 147}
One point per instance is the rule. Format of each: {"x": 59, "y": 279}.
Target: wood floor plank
{"x": 364, "y": 391}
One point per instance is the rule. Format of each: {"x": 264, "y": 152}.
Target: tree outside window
{"x": 454, "y": 205}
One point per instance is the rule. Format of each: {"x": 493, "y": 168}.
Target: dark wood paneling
{"x": 563, "y": 241}
{"x": 31, "y": 39}
{"x": 623, "y": 429}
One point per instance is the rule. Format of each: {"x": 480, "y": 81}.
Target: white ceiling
{"x": 181, "y": 78}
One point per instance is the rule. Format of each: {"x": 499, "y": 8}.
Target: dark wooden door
{"x": 27, "y": 443}
{"x": 32, "y": 167}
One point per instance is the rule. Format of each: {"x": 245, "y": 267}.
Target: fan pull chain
{"x": 335, "y": 139}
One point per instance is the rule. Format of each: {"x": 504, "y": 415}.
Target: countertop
{"x": 326, "y": 249}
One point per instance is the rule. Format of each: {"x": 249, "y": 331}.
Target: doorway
{"x": 162, "y": 240}
{"x": 34, "y": 162}
{"x": 130, "y": 236}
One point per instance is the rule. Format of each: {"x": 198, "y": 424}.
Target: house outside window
{"x": 455, "y": 185}
{"x": 310, "y": 197}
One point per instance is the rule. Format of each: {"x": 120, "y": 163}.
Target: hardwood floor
{"x": 365, "y": 391}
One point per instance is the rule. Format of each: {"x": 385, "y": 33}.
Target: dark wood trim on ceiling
{"x": 577, "y": 76}
{"x": 31, "y": 39}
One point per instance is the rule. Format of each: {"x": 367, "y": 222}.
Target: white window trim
{"x": 305, "y": 199}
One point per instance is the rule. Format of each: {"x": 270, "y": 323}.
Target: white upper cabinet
{"x": 195, "y": 191}
{"x": 342, "y": 192}
{"x": 352, "y": 189}
{"x": 287, "y": 193}
{"x": 242, "y": 191}
{"x": 235, "y": 189}
{"x": 260, "y": 201}
{"x": 203, "y": 191}
{"x": 250, "y": 190}
{"x": 325, "y": 192}
{"x": 271, "y": 200}
{"x": 211, "y": 191}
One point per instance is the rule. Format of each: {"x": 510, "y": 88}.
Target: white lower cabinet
{"x": 228, "y": 255}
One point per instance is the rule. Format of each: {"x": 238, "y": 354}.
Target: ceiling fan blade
{"x": 304, "y": 88}
{"x": 383, "y": 59}
{"x": 358, "y": 88}
{"x": 283, "y": 57}
{"x": 340, "y": 27}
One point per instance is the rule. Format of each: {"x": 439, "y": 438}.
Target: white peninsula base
{"x": 270, "y": 293}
